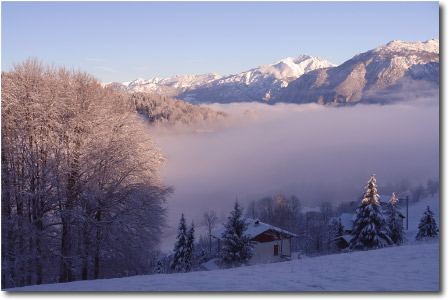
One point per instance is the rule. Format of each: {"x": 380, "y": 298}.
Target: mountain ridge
{"x": 367, "y": 74}
{"x": 304, "y": 79}
{"x": 256, "y": 84}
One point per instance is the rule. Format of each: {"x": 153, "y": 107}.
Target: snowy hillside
{"x": 406, "y": 268}
{"x": 416, "y": 213}
{"x": 414, "y": 267}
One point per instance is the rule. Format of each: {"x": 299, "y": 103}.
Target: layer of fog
{"x": 317, "y": 153}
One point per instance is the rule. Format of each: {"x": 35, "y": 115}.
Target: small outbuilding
{"x": 272, "y": 244}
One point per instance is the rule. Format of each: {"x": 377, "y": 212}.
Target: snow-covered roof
{"x": 347, "y": 221}
{"x": 254, "y": 229}
{"x": 347, "y": 238}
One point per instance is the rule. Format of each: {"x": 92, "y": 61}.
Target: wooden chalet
{"x": 272, "y": 244}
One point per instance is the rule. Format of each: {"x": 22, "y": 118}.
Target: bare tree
{"x": 432, "y": 186}
{"x": 326, "y": 208}
{"x": 210, "y": 222}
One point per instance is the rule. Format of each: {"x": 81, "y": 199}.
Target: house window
{"x": 275, "y": 250}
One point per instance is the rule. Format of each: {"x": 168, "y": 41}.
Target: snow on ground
{"x": 405, "y": 268}
{"x": 414, "y": 267}
{"x": 416, "y": 213}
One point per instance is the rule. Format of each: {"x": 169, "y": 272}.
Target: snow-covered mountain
{"x": 263, "y": 83}
{"x": 370, "y": 75}
{"x": 258, "y": 84}
{"x": 171, "y": 86}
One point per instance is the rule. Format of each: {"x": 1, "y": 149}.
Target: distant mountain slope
{"x": 171, "y": 86}
{"x": 378, "y": 76}
{"x": 258, "y": 84}
{"x": 263, "y": 83}
{"x": 367, "y": 75}
{"x": 162, "y": 110}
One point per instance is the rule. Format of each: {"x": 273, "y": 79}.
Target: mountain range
{"x": 366, "y": 77}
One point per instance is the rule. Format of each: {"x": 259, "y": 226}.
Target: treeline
{"x": 81, "y": 195}
{"x": 316, "y": 230}
{"x": 403, "y": 189}
{"x": 281, "y": 211}
{"x": 319, "y": 231}
{"x": 315, "y": 235}
{"x": 173, "y": 112}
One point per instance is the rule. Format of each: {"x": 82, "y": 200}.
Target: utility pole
{"x": 407, "y": 212}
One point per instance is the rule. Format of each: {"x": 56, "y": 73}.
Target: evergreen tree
{"x": 370, "y": 230}
{"x": 203, "y": 256}
{"x": 178, "y": 262}
{"x": 236, "y": 246}
{"x": 427, "y": 227}
{"x": 189, "y": 250}
{"x": 158, "y": 268}
{"x": 336, "y": 231}
{"x": 394, "y": 222}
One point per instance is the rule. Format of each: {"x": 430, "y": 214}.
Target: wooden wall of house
{"x": 264, "y": 252}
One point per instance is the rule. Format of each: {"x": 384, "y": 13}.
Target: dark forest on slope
{"x": 170, "y": 112}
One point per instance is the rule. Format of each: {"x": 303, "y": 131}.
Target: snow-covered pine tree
{"x": 158, "y": 268}
{"x": 335, "y": 231}
{"x": 203, "y": 256}
{"x": 370, "y": 230}
{"x": 178, "y": 262}
{"x": 189, "y": 250}
{"x": 236, "y": 246}
{"x": 427, "y": 227}
{"x": 394, "y": 222}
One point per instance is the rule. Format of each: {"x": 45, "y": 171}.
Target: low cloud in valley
{"x": 317, "y": 153}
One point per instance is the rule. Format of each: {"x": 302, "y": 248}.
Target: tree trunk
{"x": 66, "y": 275}
{"x": 97, "y": 249}
{"x": 86, "y": 254}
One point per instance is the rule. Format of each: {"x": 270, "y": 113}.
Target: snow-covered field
{"x": 414, "y": 267}
{"x": 406, "y": 268}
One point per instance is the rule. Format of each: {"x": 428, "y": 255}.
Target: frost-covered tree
{"x": 370, "y": 230}
{"x": 184, "y": 256}
{"x": 394, "y": 221}
{"x": 210, "y": 221}
{"x": 237, "y": 248}
{"x": 189, "y": 250}
{"x": 371, "y": 195}
{"x": 427, "y": 227}
{"x": 180, "y": 247}
{"x": 81, "y": 195}
{"x": 172, "y": 112}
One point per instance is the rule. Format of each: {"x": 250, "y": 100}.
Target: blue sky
{"x": 120, "y": 41}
